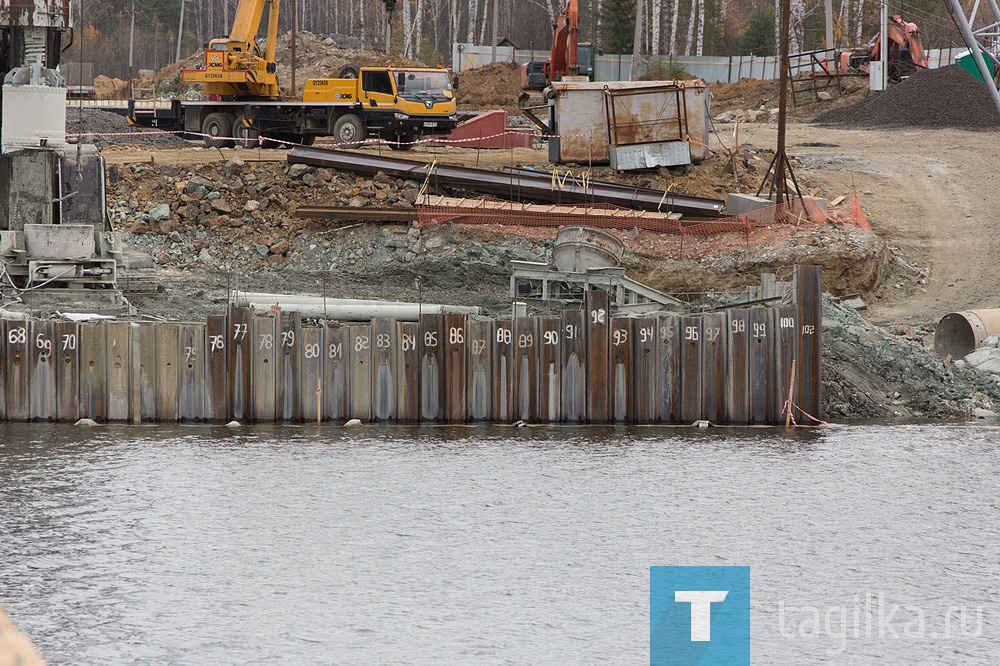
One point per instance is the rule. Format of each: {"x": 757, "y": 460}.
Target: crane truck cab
{"x": 397, "y": 104}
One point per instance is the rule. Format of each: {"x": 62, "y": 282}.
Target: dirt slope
{"x": 929, "y": 193}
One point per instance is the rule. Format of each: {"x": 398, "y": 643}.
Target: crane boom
{"x": 234, "y": 67}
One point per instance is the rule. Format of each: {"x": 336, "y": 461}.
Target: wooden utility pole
{"x": 295, "y": 11}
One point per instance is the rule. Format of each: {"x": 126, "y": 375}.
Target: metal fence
{"x": 619, "y": 67}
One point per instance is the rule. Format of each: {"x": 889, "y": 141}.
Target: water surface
{"x": 306, "y": 545}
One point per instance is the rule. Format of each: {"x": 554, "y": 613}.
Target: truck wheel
{"x": 402, "y": 142}
{"x": 349, "y": 131}
{"x": 217, "y": 125}
{"x": 246, "y": 137}
{"x": 349, "y": 72}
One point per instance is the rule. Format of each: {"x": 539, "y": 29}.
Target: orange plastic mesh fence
{"x": 691, "y": 238}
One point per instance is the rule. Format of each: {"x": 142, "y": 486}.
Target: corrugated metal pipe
{"x": 959, "y": 333}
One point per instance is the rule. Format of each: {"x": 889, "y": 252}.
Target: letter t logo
{"x": 701, "y": 610}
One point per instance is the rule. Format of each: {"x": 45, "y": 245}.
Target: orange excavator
{"x": 569, "y": 57}
{"x": 904, "y": 57}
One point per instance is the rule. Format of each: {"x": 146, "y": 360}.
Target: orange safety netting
{"x": 662, "y": 232}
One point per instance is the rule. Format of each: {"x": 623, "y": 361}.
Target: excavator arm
{"x": 564, "y": 57}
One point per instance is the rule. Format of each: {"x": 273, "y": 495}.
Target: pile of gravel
{"x": 93, "y": 126}
{"x": 948, "y": 97}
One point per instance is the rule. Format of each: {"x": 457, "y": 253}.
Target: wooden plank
{"x": 574, "y": 367}
{"x": 168, "y": 357}
{"x": 17, "y": 334}
{"x": 93, "y": 372}
{"x": 621, "y": 376}
{"x": 454, "y": 354}
{"x": 525, "y": 376}
{"x": 431, "y": 368}
{"x": 715, "y": 367}
{"x": 191, "y": 383}
{"x": 217, "y": 369}
{"x": 265, "y": 337}
{"x": 668, "y": 376}
{"x": 119, "y": 348}
{"x": 359, "y": 339}
{"x": 42, "y": 371}
{"x": 408, "y": 361}
{"x": 738, "y": 394}
{"x": 479, "y": 370}
{"x": 760, "y": 365}
{"x": 690, "y": 366}
{"x": 644, "y": 374}
{"x": 310, "y": 347}
{"x": 335, "y": 374}
{"x": 548, "y": 336}
{"x": 67, "y": 361}
{"x": 785, "y": 327}
{"x": 287, "y": 378}
{"x": 503, "y": 372}
{"x": 598, "y": 326}
{"x": 148, "y": 363}
{"x": 240, "y": 351}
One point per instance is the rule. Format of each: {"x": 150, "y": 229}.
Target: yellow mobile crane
{"x": 397, "y": 104}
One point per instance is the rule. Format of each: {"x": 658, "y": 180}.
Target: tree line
{"x": 426, "y": 30}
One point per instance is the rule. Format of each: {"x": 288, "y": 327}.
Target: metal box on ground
{"x": 590, "y": 119}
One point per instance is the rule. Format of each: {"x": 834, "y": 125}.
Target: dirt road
{"x": 930, "y": 194}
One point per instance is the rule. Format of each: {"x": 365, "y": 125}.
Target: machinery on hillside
{"x": 569, "y": 56}
{"x": 56, "y": 243}
{"x": 397, "y": 104}
{"x": 905, "y": 54}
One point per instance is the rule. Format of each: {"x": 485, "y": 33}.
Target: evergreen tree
{"x": 758, "y": 38}
{"x": 617, "y": 25}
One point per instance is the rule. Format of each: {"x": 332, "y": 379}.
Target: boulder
{"x": 159, "y": 212}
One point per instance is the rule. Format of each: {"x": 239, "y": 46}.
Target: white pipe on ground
{"x": 346, "y": 308}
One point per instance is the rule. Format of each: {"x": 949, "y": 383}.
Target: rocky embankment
{"x": 871, "y": 372}
{"x": 240, "y": 217}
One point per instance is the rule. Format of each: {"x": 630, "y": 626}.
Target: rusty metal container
{"x": 578, "y": 248}
{"x": 642, "y": 113}
{"x": 959, "y": 333}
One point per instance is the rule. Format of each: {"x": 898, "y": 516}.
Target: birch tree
{"x": 674, "y": 11}
{"x": 418, "y": 27}
{"x": 796, "y": 25}
{"x": 408, "y": 34}
{"x": 690, "y": 31}
{"x": 859, "y": 13}
{"x": 470, "y": 28}
{"x": 654, "y": 27}
{"x": 701, "y": 28}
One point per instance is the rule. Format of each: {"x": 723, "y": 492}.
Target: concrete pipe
{"x": 959, "y": 333}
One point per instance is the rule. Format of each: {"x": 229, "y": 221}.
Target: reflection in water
{"x": 306, "y": 544}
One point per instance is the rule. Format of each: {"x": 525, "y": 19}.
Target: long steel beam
{"x": 514, "y": 185}
{"x": 354, "y": 213}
